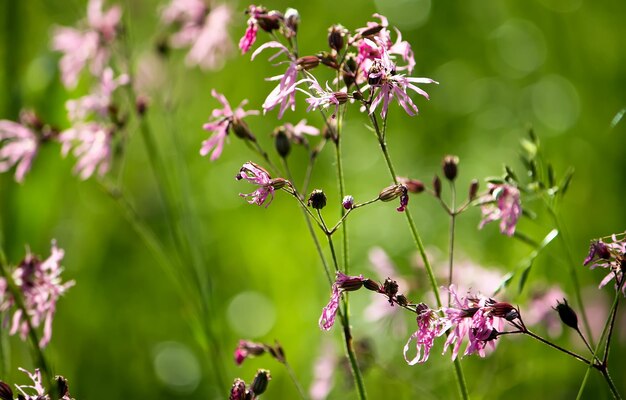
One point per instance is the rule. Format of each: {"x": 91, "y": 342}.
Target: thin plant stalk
{"x": 451, "y": 240}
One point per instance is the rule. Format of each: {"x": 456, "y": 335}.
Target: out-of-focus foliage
{"x": 123, "y": 332}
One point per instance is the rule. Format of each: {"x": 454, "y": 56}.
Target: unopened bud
{"x": 308, "y": 62}
{"x": 281, "y": 142}
{"x": 473, "y": 189}
{"x": 437, "y": 186}
{"x": 317, "y": 199}
{"x": 260, "y": 382}
{"x": 270, "y": 21}
{"x": 336, "y": 35}
{"x": 292, "y": 19}
{"x": 567, "y": 314}
{"x": 277, "y": 352}
{"x": 351, "y": 284}
{"x": 62, "y": 387}
{"x": 371, "y": 31}
{"x": 412, "y": 185}
{"x": 241, "y": 130}
{"x": 5, "y": 391}
{"x": 278, "y": 183}
{"x": 328, "y": 59}
{"x": 356, "y": 95}
{"x": 371, "y": 285}
{"x": 391, "y": 192}
{"x": 505, "y": 310}
{"x": 341, "y": 97}
{"x": 402, "y": 300}
{"x": 450, "y": 167}
{"x": 348, "y": 202}
{"x": 238, "y": 391}
{"x": 390, "y": 287}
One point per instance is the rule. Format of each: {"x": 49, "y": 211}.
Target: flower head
{"x": 87, "y": 46}
{"x": 611, "y": 256}
{"x": 324, "y": 98}
{"x": 41, "y": 286}
{"x": 284, "y": 94}
{"x": 260, "y": 17}
{"x": 18, "y": 146}
{"x": 92, "y": 146}
{"x": 342, "y": 283}
{"x": 255, "y": 174}
{"x": 503, "y": 203}
{"x": 429, "y": 326}
{"x": 247, "y": 349}
{"x": 383, "y": 75}
{"x": 223, "y": 119}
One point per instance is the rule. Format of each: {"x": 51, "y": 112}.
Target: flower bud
{"x": 292, "y": 19}
{"x": 402, "y": 300}
{"x": 308, "y": 62}
{"x": 356, "y": 95}
{"x": 281, "y": 142}
{"x": 341, "y": 97}
{"x": 473, "y": 189}
{"x": 317, "y": 199}
{"x": 412, "y": 185}
{"x": 371, "y": 285}
{"x": 450, "y": 167}
{"x": 505, "y": 310}
{"x": 390, "y": 287}
{"x": 567, "y": 314}
{"x": 336, "y": 35}
{"x": 241, "y": 130}
{"x": 260, "y": 382}
{"x": 328, "y": 59}
{"x": 141, "y": 105}
{"x": 5, "y": 391}
{"x": 238, "y": 391}
{"x": 391, "y": 192}
{"x": 63, "y": 388}
{"x": 277, "y": 352}
{"x": 371, "y": 31}
{"x": 279, "y": 183}
{"x": 351, "y": 284}
{"x": 437, "y": 186}
{"x": 270, "y": 21}
{"x": 348, "y": 202}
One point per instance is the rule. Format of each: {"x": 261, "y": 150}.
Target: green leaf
{"x": 566, "y": 180}
{"x": 527, "y": 263}
{"x": 529, "y": 147}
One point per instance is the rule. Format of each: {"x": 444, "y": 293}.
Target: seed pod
{"x": 450, "y": 167}
{"x": 567, "y": 314}
{"x": 260, "y": 382}
{"x": 317, "y": 199}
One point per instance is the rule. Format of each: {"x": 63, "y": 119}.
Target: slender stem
{"x": 607, "y": 347}
{"x": 342, "y": 191}
{"x": 572, "y": 270}
{"x": 451, "y": 240}
{"x": 295, "y": 381}
{"x": 609, "y": 381}
{"x": 420, "y": 246}
{"x": 557, "y": 347}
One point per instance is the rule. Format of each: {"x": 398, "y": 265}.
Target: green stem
{"x": 295, "y": 381}
{"x": 420, "y": 247}
{"x": 572, "y": 271}
{"x": 451, "y": 236}
{"x": 342, "y": 193}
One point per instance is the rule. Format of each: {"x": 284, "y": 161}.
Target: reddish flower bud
{"x": 437, "y": 186}
{"x": 567, "y": 314}
{"x": 450, "y": 167}
{"x": 308, "y": 62}
{"x": 473, "y": 189}
{"x": 413, "y": 185}
{"x": 336, "y": 35}
{"x": 260, "y": 382}
{"x": 317, "y": 199}
{"x": 348, "y": 202}
{"x": 371, "y": 285}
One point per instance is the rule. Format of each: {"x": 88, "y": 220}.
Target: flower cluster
{"x": 40, "y": 286}
{"x": 254, "y": 173}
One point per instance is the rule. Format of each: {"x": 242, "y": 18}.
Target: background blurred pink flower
{"x": 18, "y": 147}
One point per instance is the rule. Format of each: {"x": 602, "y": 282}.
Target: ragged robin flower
{"x": 501, "y": 203}
{"x": 611, "y": 256}
{"x": 343, "y": 283}
{"x": 255, "y": 174}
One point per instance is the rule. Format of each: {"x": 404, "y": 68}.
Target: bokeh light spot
{"x": 520, "y": 45}
{"x": 177, "y": 367}
{"x": 251, "y": 314}
{"x": 555, "y": 103}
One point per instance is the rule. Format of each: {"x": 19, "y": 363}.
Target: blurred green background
{"x": 123, "y": 332}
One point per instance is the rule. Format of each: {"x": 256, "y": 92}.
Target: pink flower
{"x": 183, "y": 11}
{"x": 323, "y": 373}
{"x": 224, "y": 118}
{"x": 368, "y": 52}
{"x": 41, "y": 287}
{"x": 89, "y": 46}
{"x": 611, "y": 256}
{"x": 19, "y": 146}
{"x": 324, "y": 98}
{"x": 247, "y": 349}
{"x": 256, "y": 13}
{"x": 98, "y": 101}
{"x": 382, "y": 75}
{"x": 342, "y": 283}
{"x": 255, "y": 174}
{"x": 430, "y": 326}
{"x": 479, "y": 319}
{"x": 285, "y": 93}
{"x": 503, "y": 203}
{"x": 212, "y": 44}
{"x": 92, "y": 147}
{"x": 297, "y": 131}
